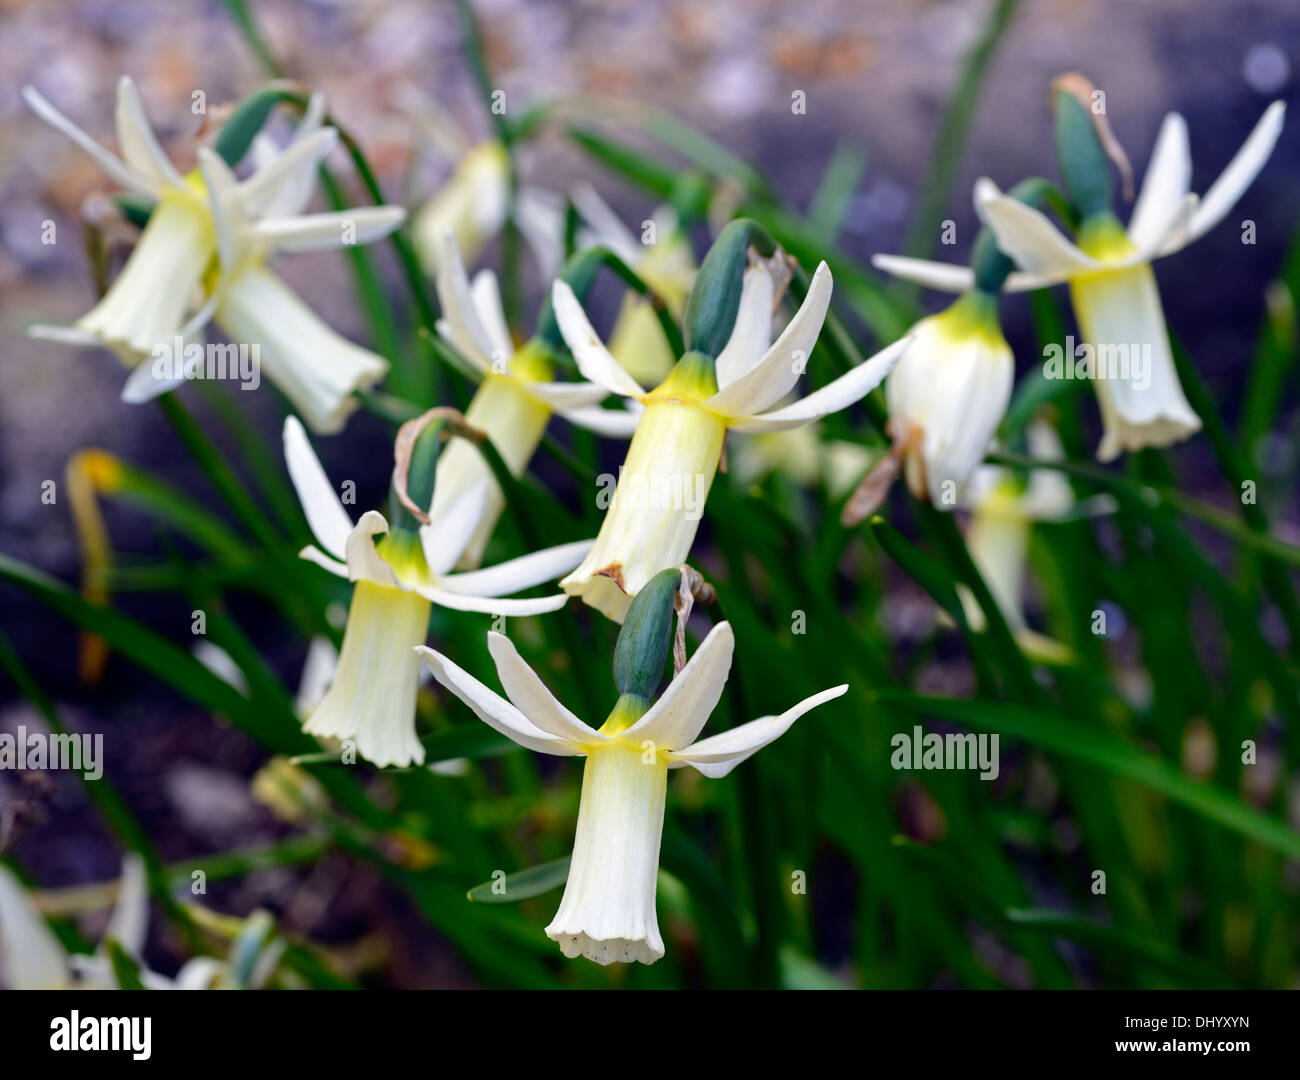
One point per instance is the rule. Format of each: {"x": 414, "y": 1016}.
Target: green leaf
{"x": 523, "y": 885}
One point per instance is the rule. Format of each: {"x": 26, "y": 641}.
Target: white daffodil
{"x": 147, "y": 302}
{"x": 1112, "y": 286}
{"x": 947, "y": 395}
{"x": 663, "y": 259}
{"x": 473, "y": 203}
{"x": 315, "y": 367}
{"x": 399, "y": 575}
{"x": 608, "y": 910}
{"x": 32, "y": 958}
{"x": 514, "y": 401}
{"x": 1003, "y": 512}
{"x": 656, "y": 506}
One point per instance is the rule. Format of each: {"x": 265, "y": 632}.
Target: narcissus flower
{"x": 400, "y": 571}
{"x": 947, "y": 395}
{"x": 1108, "y": 267}
{"x": 317, "y": 369}
{"x": 663, "y": 259}
{"x": 1004, "y": 511}
{"x": 656, "y": 506}
{"x": 32, "y": 958}
{"x": 472, "y": 205}
{"x": 147, "y": 302}
{"x": 607, "y": 913}
{"x": 514, "y": 401}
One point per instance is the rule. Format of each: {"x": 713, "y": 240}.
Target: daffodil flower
{"x": 607, "y": 913}
{"x": 655, "y": 508}
{"x": 399, "y": 575}
{"x": 664, "y": 261}
{"x": 947, "y": 395}
{"x": 317, "y": 369}
{"x": 147, "y": 302}
{"x": 1112, "y": 286}
{"x": 515, "y": 398}
{"x": 473, "y": 203}
{"x": 31, "y": 957}
{"x": 1003, "y": 513}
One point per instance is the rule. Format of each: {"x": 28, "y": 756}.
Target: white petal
{"x": 64, "y": 335}
{"x": 446, "y": 536}
{"x": 136, "y": 138}
{"x": 113, "y": 166}
{"x": 1029, "y": 238}
{"x": 295, "y": 165}
{"x": 493, "y": 709}
{"x": 752, "y": 334}
{"x": 933, "y": 275}
{"x": 128, "y": 923}
{"x": 1167, "y": 181}
{"x": 493, "y": 605}
{"x": 1241, "y": 171}
{"x": 492, "y": 316}
{"x": 324, "y": 510}
{"x": 530, "y": 695}
{"x": 517, "y": 574}
{"x": 540, "y": 216}
{"x": 768, "y": 381}
{"x": 683, "y": 709}
{"x": 144, "y": 383}
{"x": 465, "y": 329}
{"x": 31, "y": 957}
{"x": 314, "y": 554}
{"x": 594, "y": 360}
{"x": 606, "y": 226}
{"x": 837, "y": 395}
{"x": 718, "y": 755}
{"x": 613, "y": 423}
{"x": 321, "y": 232}
{"x": 568, "y": 395}
{"x": 364, "y": 561}
{"x": 227, "y": 208}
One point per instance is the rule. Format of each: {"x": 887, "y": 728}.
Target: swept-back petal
{"x": 464, "y": 328}
{"x": 752, "y": 335}
{"x": 613, "y": 423}
{"x": 568, "y": 395}
{"x": 684, "y": 707}
{"x": 487, "y": 303}
{"x": 492, "y": 605}
{"x": 836, "y": 395}
{"x": 320, "y": 232}
{"x": 1241, "y": 171}
{"x": 140, "y": 148}
{"x": 324, "y": 510}
{"x": 112, "y": 166}
{"x": 719, "y": 754}
{"x": 775, "y": 375}
{"x": 493, "y": 709}
{"x": 595, "y": 361}
{"x": 1028, "y": 237}
{"x": 447, "y": 535}
{"x": 515, "y": 575}
{"x": 946, "y": 277}
{"x": 524, "y": 687}
{"x": 1167, "y": 181}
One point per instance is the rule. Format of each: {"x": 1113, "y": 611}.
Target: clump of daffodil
{"x": 205, "y": 248}
{"x": 147, "y": 302}
{"x": 663, "y": 259}
{"x": 607, "y": 913}
{"x": 32, "y": 958}
{"x": 516, "y": 396}
{"x": 1003, "y": 512}
{"x": 315, "y": 367}
{"x": 401, "y": 568}
{"x": 1107, "y": 266}
{"x": 730, "y": 378}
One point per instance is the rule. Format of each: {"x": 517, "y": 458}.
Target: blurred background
{"x": 877, "y": 78}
